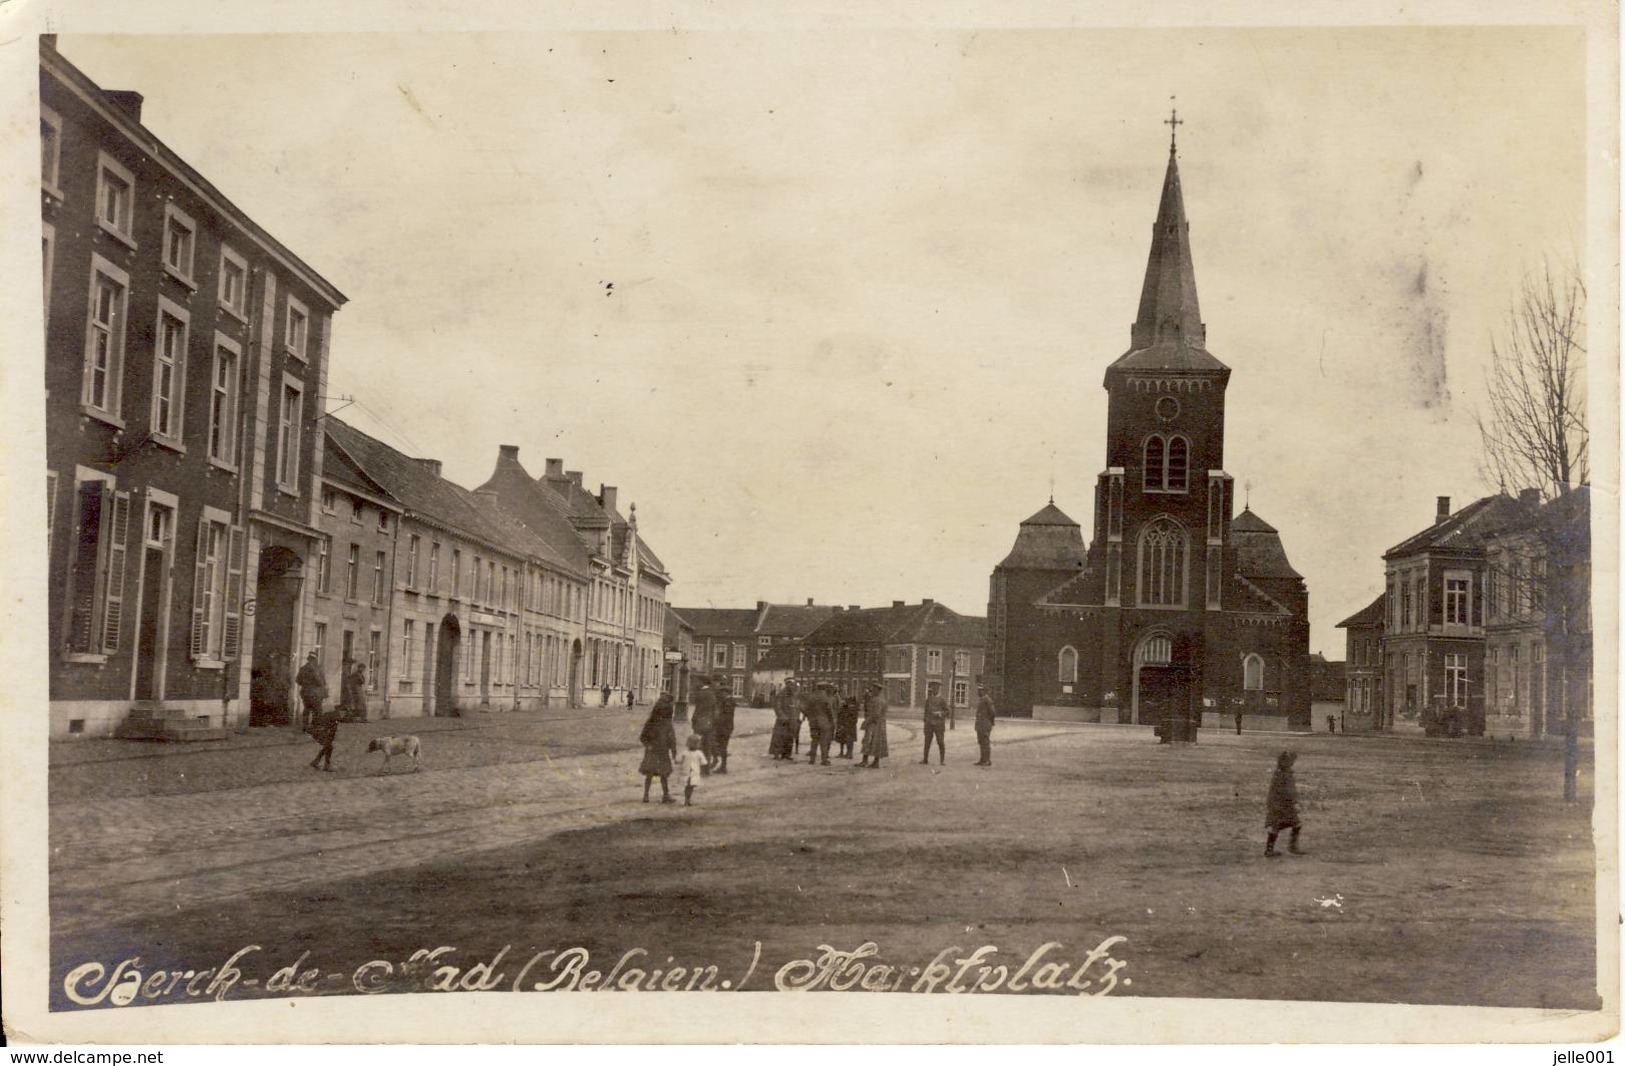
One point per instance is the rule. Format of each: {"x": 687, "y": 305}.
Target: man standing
{"x": 875, "y": 745}
{"x": 722, "y": 730}
{"x": 821, "y": 724}
{"x": 936, "y": 722}
{"x": 605, "y": 693}
{"x": 984, "y": 725}
{"x": 703, "y": 720}
{"x": 325, "y": 729}
{"x": 312, "y": 689}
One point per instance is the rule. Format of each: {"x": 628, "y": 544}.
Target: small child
{"x": 693, "y": 768}
{"x": 1283, "y": 806}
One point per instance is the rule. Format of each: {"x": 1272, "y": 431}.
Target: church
{"x": 1178, "y": 613}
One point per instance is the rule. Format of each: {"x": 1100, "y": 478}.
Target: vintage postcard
{"x": 1044, "y": 524}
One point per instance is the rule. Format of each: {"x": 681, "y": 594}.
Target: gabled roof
{"x": 721, "y": 621}
{"x": 1259, "y": 551}
{"x": 920, "y": 623}
{"x": 651, "y": 561}
{"x": 1466, "y": 529}
{"x": 1372, "y": 614}
{"x": 537, "y": 510}
{"x": 675, "y": 624}
{"x": 424, "y": 493}
{"x": 581, "y": 505}
{"x": 1049, "y": 540}
{"x": 791, "y": 619}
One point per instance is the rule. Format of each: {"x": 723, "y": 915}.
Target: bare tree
{"x": 1534, "y": 432}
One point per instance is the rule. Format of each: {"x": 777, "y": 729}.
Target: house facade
{"x": 1365, "y": 707}
{"x": 185, "y": 360}
{"x": 905, "y": 648}
{"x": 724, "y": 645}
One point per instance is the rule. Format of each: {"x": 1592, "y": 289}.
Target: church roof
{"x": 1168, "y": 333}
{"x": 1259, "y": 551}
{"x": 1049, "y": 540}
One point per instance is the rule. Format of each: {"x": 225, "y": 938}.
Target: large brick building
{"x": 186, "y": 356}
{"x": 905, "y": 647}
{"x": 1177, "y": 610}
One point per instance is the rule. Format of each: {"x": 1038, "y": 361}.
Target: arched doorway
{"x": 575, "y": 673}
{"x": 445, "y": 667}
{"x": 1161, "y": 682}
{"x": 276, "y": 600}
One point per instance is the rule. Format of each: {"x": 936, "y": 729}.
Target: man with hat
{"x": 936, "y": 722}
{"x": 722, "y": 730}
{"x": 984, "y": 725}
{"x": 312, "y": 689}
{"x": 820, "y": 723}
{"x": 704, "y": 719}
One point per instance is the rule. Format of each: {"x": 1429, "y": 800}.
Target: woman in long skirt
{"x": 659, "y": 741}
{"x": 784, "y": 724}
{"x": 846, "y": 727}
{"x": 875, "y": 747}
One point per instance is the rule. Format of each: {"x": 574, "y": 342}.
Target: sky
{"x": 833, "y": 307}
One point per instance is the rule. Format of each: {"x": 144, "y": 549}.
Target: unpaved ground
{"x": 1438, "y": 872}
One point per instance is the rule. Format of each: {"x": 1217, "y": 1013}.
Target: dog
{"x": 407, "y": 746}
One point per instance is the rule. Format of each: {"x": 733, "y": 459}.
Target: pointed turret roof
{"x": 1259, "y": 551}
{"x": 1168, "y": 333}
{"x": 1049, "y": 540}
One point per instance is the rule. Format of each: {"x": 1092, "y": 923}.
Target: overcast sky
{"x": 866, "y": 284}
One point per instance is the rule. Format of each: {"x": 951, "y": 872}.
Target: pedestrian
{"x": 630, "y": 703}
{"x": 659, "y": 740}
{"x": 784, "y": 723}
{"x": 325, "y": 730}
{"x": 1238, "y": 721}
{"x": 875, "y": 746}
{"x": 704, "y": 718}
{"x": 1283, "y": 806}
{"x": 936, "y": 723}
{"x": 722, "y": 731}
{"x": 358, "y": 694}
{"x": 1331, "y": 723}
{"x": 820, "y": 724}
{"x": 984, "y": 725}
{"x": 605, "y": 691}
{"x": 312, "y": 689}
{"x": 693, "y": 769}
{"x": 846, "y": 726}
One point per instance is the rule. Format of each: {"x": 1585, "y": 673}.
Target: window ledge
{"x": 230, "y": 468}
{"x": 101, "y": 416}
{"x": 123, "y": 238}
{"x": 287, "y": 490}
{"x": 234, "y": 313}
{"x": 180, "y": 279}
{"x": 205, "y": 663}
{"x": 171, "y": 443}
{"x": 296, "y": 356}
{"x": 83, "y": 657}
{"x": 54, "y": 192}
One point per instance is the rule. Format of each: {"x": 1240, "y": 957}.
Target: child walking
{"x": 659, "y": 741}
{"x": 1283, "y": 806}
{"x": 693, "y": 768}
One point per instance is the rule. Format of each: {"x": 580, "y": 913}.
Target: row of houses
{"x": 906, "y": 648}
{"x": 1484, "y": 623}
{"x": 209, "y": 527}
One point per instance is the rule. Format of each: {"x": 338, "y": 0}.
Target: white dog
{"x": 396, "y": 746}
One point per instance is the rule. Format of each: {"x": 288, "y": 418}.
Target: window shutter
{"x": 200, "y": 576}
{"x": 82, "y": 575}
{"x": 234, "y": 594}
{"x": 117, "y": 552}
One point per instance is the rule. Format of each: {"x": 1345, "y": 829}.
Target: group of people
{"x": 830, "y": 720}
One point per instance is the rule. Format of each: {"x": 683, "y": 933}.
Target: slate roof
{"x": 1259, "y": 551}
{"x": 1466, "y": 529}
{"x": 1372, "y": 614}
{"x": 539, "y": 511}
{"x": 919, "y": 623}
{"x": 721, "y": 621}
{"x": 423, "y": 493}
{"x": 579, "y": 504}
{"x": 792, "y": 619}
{"x": 1049, "y": 540}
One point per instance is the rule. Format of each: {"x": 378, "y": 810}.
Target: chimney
{"x": 927, "y": 603}
{"x": 761, "y": 605}
{"x": 431, "y": 465}
{"x": 897, "y": 603}
{"x": 555, "y": 468}
{"x": 574, "y": 476}
{"x": 126, "y": 101}
{"x": 809, "y": 601}
{"x": 606, "y": 496}
{"x": 853, "y": 607}
{"x": 1529, "y": 497}
{"x": 508, "y": 453}
{"x": 1444, "y": 510}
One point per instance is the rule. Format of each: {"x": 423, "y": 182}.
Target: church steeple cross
{"x": 1173, "y": 122}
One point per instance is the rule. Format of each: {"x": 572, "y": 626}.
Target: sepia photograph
{"x": 531, "y": 502}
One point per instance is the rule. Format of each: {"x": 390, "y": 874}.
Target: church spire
{"x": 1169, "y": 314}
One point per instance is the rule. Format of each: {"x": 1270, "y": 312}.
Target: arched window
{"x": 1252, "y": 673}
{"x": 1068, "y": 666}
{"x": 1162, "y": 564}
{"x": 1178, "y": 465}
{"x": 1157, "y": 650}
{"x": 1155, "y": 463}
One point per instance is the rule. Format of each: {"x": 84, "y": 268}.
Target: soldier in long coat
{"x": 875, "y": 746}
{"x": 312, "y": 689}
{"x": 784, "y": 723}
{"x": 703, "y": 720}
{"x": 821, "y": 725}
{"x": 846, "y": 726}
{"x": 936, "y": 722}
{"x": 722, "y": 731}
{"x": 984, "y": 726}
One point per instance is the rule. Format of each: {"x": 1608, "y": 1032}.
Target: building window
{"x": 961, "y": 693}
{"x": 383, "y": 520}
{"x": 104, "y": 338}
{"x": 374, "y": 642}
{"x": 223, "y": 403}
{"x": 1067, "y": 674}
{"x": 330, "y": 500}
{"x": 1455, "y": 601}
{"x": 408, "y": 631}
{"x": 719, "y": 655}
{"x": 324, "y": 565}
{"x": 434, "y": 567}
{"x": 180, "y": 243}
{"x": 1405, "y": 605}
{"x": 217, "y": 588}
{"x": 169, "y": 372}
{"x": 737, "y": 684}
{"x": 1157, "y": 651}
{"x": 48, "y": 257}
{"x": 739, "y": 656}
{"x": 456, "y": 573}
{"x": 352, "y": 578}
{"x": 412, "y": 561}
{"x": 933, "y": 661}
{"x": 115, "y": 198}
{"x": 1252, "y": 673}
{"x": 95, "y": 593}
{"x": 962, "y": 663}
{"x": 378, "y": 577}
{"x": 490, "y": 582}
{"x": 1455, "y": 680}
{"x": 290, "y": 431}
{"x": 1167, "y": 463}
{"x": 233, "y": 282}
{"x": 50, "y": 151}
{"x": 319, "y": 644}
{"x": 1162, "y": 564}
{"x": 296, "y": 333}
